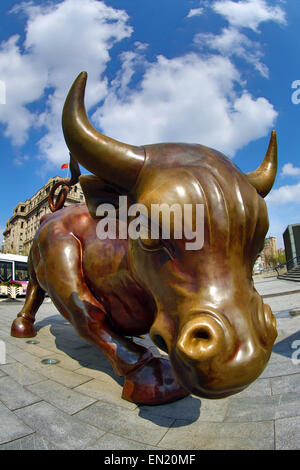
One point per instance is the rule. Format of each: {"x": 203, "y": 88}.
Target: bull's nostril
{"x": 203, "y": 334}
{"x": 202, "y": 338}
{"x": 160, "y": 343}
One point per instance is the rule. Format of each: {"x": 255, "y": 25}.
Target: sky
{"x": 221, "y": 73}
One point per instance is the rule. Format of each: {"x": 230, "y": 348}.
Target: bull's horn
{"x": 113, "y": 161}
{"x": 263, "y": 178}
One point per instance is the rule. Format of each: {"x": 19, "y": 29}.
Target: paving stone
{"x": 64, "y": 376}
{"x": 27, "y": 358}
{"x": 289, "y": 405}
{"x": 186, "y": 424}
{"x": 252, "y": 409}
{"x": 191, "y": 408}
{"x": 280, "y": 368}
{"x": 61, "y": 429}
{"x": 36, "y": 350}
{"x": 11, "y": 427}
{"x": 21, "y": 374}
{"x": 9, "y": 360}
{"x": 261, "y": 387}
{"x": 111, "y": 441}
{"x": 5, "y": 335}
{"x": 65, "y": 361}
{"x": 128, "y": 424}
{"x": 219, "y": 436}
{"x": 62, "y": 397}
{"x": 287, "y": 432}
{"x": 285, "y": 384}
{"x": 12, "y": 348}
{"x": 54, "y": 372}
{"x": 107, "y": 392}
{"x": 101, "y": 375}
{"x": 14, "y": 395}
{"x": 32, "y": 442}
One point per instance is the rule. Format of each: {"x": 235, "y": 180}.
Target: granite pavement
{"x": 76, "y": 403}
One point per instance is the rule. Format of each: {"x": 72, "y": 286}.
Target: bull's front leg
{"x": 148, "y": 379}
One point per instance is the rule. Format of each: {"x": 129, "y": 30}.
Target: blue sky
{"x": 216, "y": 72}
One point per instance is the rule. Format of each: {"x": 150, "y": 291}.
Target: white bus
{"x": 14, "y": 268}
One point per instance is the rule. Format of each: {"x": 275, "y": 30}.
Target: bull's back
{"x": 98, "y": 257}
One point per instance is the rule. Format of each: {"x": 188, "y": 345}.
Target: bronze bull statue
{"x": 200, "y": 307}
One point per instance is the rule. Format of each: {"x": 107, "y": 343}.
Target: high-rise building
{"x": 21, "y": 227}
{"x": 291, "y": 239}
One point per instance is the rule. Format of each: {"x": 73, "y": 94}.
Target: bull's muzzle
{"x": 212, "y": 357}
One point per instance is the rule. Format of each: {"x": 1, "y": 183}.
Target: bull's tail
{"x": 66, "y": 184}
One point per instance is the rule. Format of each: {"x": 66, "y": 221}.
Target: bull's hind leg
{"x": 148, "y": 380}
{"x": 22, "y": 326}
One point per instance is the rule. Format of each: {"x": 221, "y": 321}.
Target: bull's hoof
{"x": 22, "y": 328}
{"x": 153, "y": 384}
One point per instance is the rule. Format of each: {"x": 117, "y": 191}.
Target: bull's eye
{"x": 150, "y": 245}
{"x": 147, "y": 243}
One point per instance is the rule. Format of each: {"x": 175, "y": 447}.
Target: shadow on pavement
{"x": 187, "y": 410}
{"x": 68, "y": 341}
{"x": 184, "y": 411}
{"x": 288, "y": 346}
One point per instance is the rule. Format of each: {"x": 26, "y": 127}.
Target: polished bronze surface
{"x": 105, "y": 157}
{"x": 66, "y": 184}
{"x": 200, "y": 307}
{"x": 263, "y": 178}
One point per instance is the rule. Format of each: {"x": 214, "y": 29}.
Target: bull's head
{"x": 210, "y": 319}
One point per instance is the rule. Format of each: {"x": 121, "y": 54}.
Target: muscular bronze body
{"x": 199, "y": 306}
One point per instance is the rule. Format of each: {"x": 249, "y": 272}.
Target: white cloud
{"x": 24, "y": 81}
{"x": 61, "y": 40}
{"x": 188, "y": 98}
{"x": 280, "y": 218}
{"x": 283, "y": 203}
{"x": 249, "y": 13}
{"x": 285, "y": 194}
{"x": 195, "y": 97}
{"x": 231, "y": 42}
{"x": 290, "y": 170}
{"x": 195, "y": 12}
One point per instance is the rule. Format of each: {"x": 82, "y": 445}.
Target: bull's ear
{"x": 96, "y": 191}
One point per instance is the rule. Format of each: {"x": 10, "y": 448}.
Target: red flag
{"x": 65, "y": 165}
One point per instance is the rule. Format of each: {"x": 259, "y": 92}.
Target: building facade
{"x": 269, "y": 254}
{"x": 21, "y": 227}
{"x": 291, "y": 239}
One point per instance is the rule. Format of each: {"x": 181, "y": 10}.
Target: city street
{"x": 76, "y": 403}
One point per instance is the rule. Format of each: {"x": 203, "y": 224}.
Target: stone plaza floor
{"x": 77, "y": 404}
